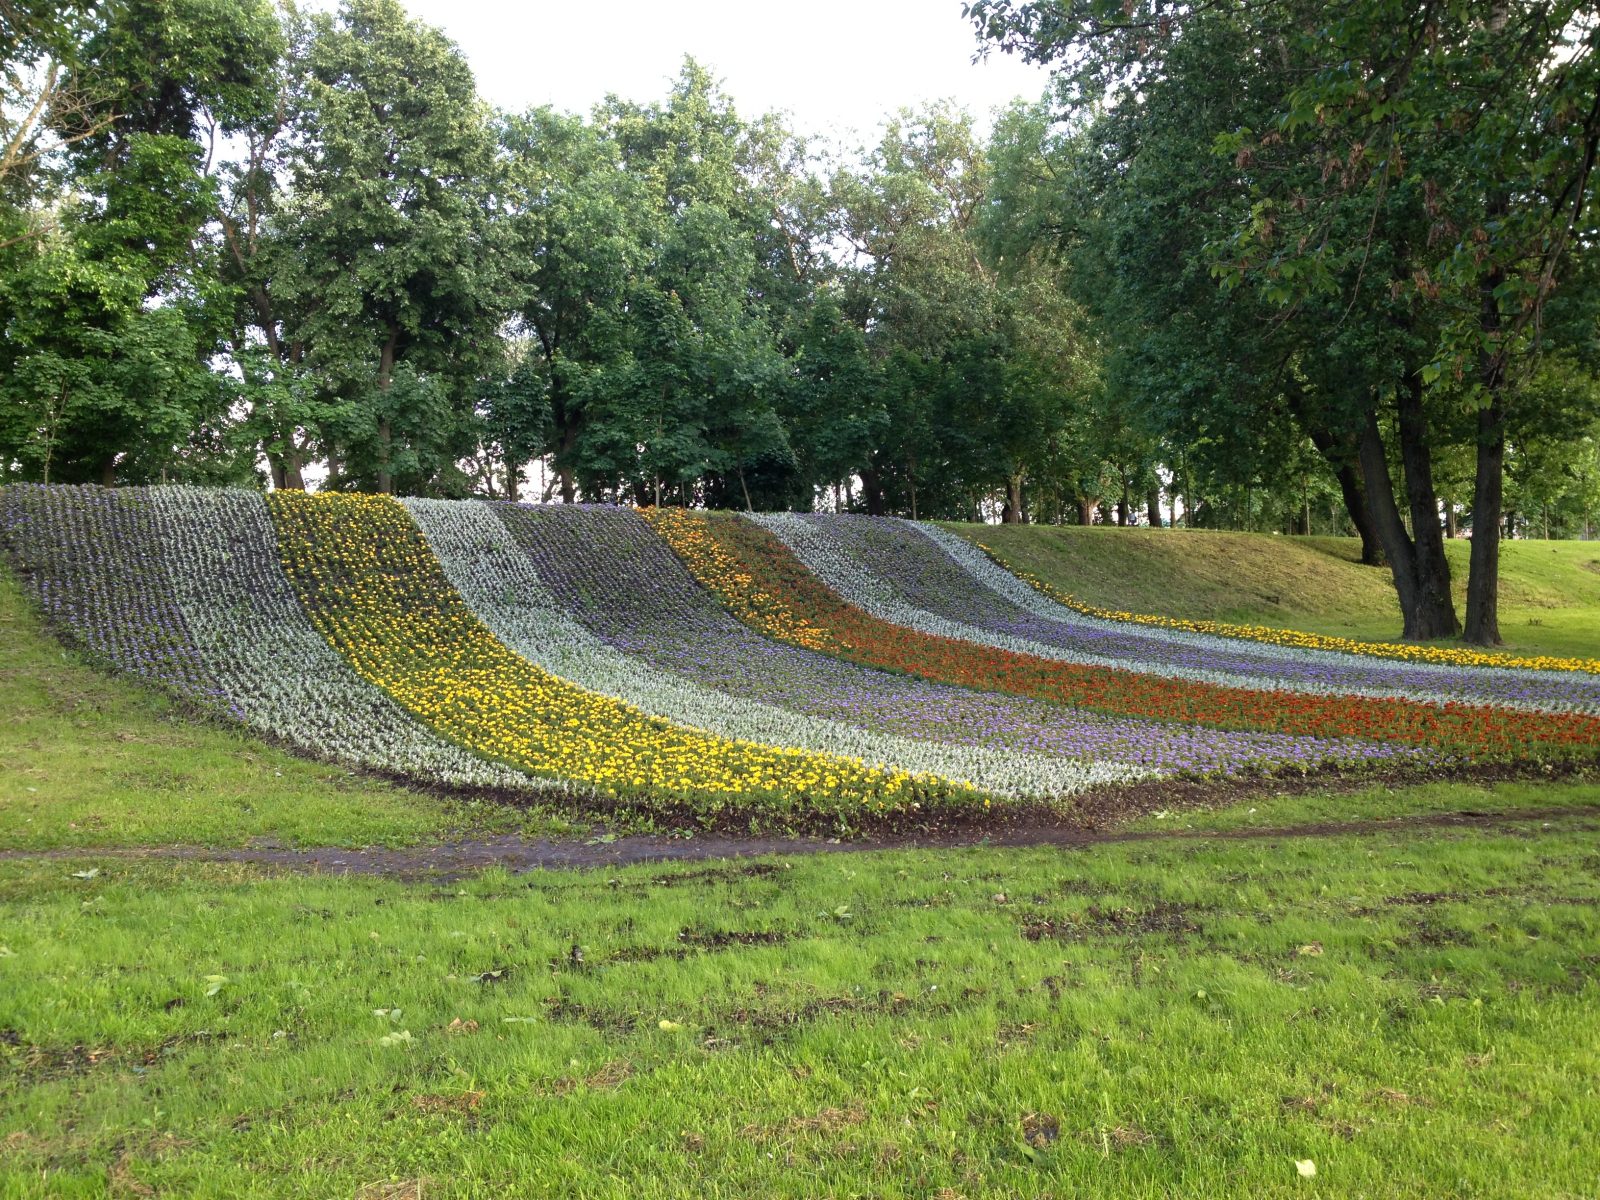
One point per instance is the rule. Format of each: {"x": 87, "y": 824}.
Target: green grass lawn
{"x": 1410, "y": 1008}
{"x": 1549, "y": 598}
{"x": 1415, "y": 1014}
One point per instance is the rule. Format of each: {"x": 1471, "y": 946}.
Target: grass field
{"x": 1410, "y": 1007}
{"x": 1549, "y": 597}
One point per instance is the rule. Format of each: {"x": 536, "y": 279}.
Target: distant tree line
{"x": 1263, "y": 266}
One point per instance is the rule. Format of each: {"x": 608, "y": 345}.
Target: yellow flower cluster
{"x": 720, "y": 573}
{"x": 1458, "y": 656}
{"x": 374, "y": 588}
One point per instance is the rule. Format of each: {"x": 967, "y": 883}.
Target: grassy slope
{"x": 1549, "y": 600}
{"x": 1415, "y": 1014}
{"x": 94, "y": 760}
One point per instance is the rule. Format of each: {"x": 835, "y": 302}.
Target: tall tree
{"x": 395, "y": 287}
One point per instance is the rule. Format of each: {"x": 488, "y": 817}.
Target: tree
{"x": 395, "y": 290}
{"x": 1367, "y": 223}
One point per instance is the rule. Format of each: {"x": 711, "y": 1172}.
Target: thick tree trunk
{"x": 1152, "y": 506}
{"x": 514, "y": 482}
{"x": 1386, "y": 520}
{"x": 1086, "y": 510}
{"x": 108, "y": 470}
{"x": 1013, "y": 512}
{"x": 1436, "y": 610}
{"x": 1419, "y": 610}
{"x": 1355, "y": 507}
{"x": 1451, "y": 529}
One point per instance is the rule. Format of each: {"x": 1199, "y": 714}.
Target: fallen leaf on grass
{"x": 91, "y": 873}
{"x": 1310, "y": 950}
{"x": 668, "y": 1026}
{"x": 1306, "y": 1167}
{"x": 462, "y": 1102}
{"x": 460, "y": 1026}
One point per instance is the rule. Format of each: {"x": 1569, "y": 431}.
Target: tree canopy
{"x": 1270, "y": 265}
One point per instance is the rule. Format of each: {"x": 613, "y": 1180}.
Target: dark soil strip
{"x": 518, "y": 854}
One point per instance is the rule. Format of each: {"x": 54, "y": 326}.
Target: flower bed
{"x": 181, "y": 587}
{"x": 933, "y": 570}
{"x": 276, "y": 671}
{"x": 497, "y": 581}
{"x": 366, "y": 576}
{"x": 736, "y": 558}
{"x": 1457, "y": 656}
{"x": 88, "y": 555}
{"x": 607, "y": 567}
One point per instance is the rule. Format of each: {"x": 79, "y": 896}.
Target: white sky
{"x": 836, "y": 66}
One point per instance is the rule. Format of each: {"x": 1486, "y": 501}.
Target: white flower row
{"x": 219, "y": 553}
{"x": 498, "y": 581}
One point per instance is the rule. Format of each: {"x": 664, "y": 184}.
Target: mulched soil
{"x": 517, "y": 854}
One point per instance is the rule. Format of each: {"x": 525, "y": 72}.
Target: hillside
{"x": 1549, "y": 599}
{"x": 715, "y": 669}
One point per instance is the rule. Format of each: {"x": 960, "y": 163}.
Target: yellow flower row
{"x": 1458, "y": 656}
{"x": 374, "y": 588}
{"x": 720, "y": 573}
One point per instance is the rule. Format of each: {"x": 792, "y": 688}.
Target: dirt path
{"x": 518, "y": 854}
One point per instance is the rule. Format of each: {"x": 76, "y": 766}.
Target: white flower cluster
{"x": 219, "y": 553}
{"x": 498, "y": 581}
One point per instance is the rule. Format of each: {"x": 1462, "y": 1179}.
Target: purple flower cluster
{"x": 90, "y": 556}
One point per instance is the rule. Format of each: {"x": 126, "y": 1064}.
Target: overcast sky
{"x": 837, "y": 66}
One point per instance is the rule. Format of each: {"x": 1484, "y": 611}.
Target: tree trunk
{"x": 1418, "y": 607}
{"x": 1483, "y": 574}
{"x": 1451, "y": 529}
{"x": 1152, "y": 504}
{"x": 385, "y": 432}
{"x": 108, "y": 470}
{"x": 1355, "y": 507}
{"x": 1086, "y": 510}
{"x": 513, "y": 481}
{"x": 1012, "y": 513}
{"x": 1436, "y": 610}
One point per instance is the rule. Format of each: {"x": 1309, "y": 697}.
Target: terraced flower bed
{"x": 780, "y": 669}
